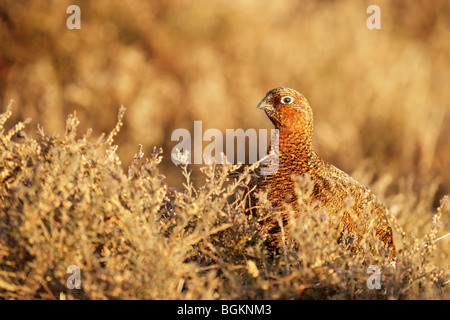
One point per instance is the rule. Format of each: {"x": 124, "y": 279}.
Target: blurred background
{"x": 381, "y": 98}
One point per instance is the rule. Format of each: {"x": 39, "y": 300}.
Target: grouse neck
{"x": 297, "y": 142}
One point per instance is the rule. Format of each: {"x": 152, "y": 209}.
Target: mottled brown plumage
{"x": 291, "y": 114}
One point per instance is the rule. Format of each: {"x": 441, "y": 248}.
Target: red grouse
{"x": 291, "y": 114}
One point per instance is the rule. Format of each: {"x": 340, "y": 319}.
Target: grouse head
{"x": 288, "y": 109}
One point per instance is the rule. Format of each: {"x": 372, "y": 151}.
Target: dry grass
{"x": 380, "y": 100}
{"x": 67, "y": 201}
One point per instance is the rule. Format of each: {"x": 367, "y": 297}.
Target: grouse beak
{"x": 265, "y": 105}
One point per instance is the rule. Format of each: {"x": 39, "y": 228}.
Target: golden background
{"x": 380, "y": 97}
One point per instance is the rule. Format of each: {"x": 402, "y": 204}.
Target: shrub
{"x": 67, "y": 201}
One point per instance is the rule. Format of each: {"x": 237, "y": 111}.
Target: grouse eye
{"x": 287, "y": 100}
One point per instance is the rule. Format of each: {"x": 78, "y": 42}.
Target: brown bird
{"x": 291, "y": 114}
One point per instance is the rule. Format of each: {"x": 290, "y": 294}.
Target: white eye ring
{"x": 287, "y": 100}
